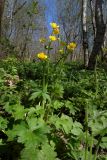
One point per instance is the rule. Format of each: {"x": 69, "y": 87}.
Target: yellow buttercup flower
{"x": 52, "y": 38}
{"x": 56, "y": 31}
{"x": 71, "y": 46}
{"x": 42, "y": 56}
{"x": 42, "y": 40}
{"x": 61, "y": 51}
{"x": 54, "y": 25}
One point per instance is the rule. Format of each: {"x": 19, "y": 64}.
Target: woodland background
{"x": 22, "y": 23}
{"x": 53, "y": 91}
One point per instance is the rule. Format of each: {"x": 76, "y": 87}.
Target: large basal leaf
{"x": 103, "y": 143}
{"x": 47, "y": 152}
{"x": 31, "y": 134}
{"x": 77, "y": 129}
{"x": 3, "y": 123}
{"x": 17, "y": 110}
{"x": 29, "y": 153}
{"x": 64, "y": 123}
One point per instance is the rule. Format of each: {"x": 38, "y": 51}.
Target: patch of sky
{"x": 50, "y": 13}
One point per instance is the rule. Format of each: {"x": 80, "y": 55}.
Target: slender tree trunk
{"x": 1, "y": 13}
{"x": 100, "y": 34}
{"x": 84, "y": 28}
{"x": 93, "y": 17}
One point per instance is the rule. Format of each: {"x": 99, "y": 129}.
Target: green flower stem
{"x": 44, "y": 87}
{"x": 91, "y": 147}
{"x": 44, "y": 70}
{"x": 48, "y": 52}
{"x": 96, "y": 83}
{"x": 86, "y": 122}
{"x": 63, "y": 57}
{"x": 45, "y": 80}
{"x": 97, "y": 147}
{"x": 96, "y": 79}
{"x": 43, "y": 84}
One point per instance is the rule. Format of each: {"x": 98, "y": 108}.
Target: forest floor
{"x": 51, "y": 111}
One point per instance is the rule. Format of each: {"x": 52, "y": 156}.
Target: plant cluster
{"x": 52, "y": 111}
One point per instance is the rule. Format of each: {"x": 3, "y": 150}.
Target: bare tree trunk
{"x": 100, "y": 34}
{"x": 1, "y": 13}
{"x": 84, "y": 28}
{"x": 93, "y": 17}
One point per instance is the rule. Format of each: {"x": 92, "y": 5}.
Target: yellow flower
{"x": 54, "y": 25}
{"x": 71, "y": 46}
{"x": 42, "y": 56}
{"x": 42, "y": 40}
{"x": 61, "y": 51}
{"x": 56, "y": 31}
{"x": 52, "y": 38}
